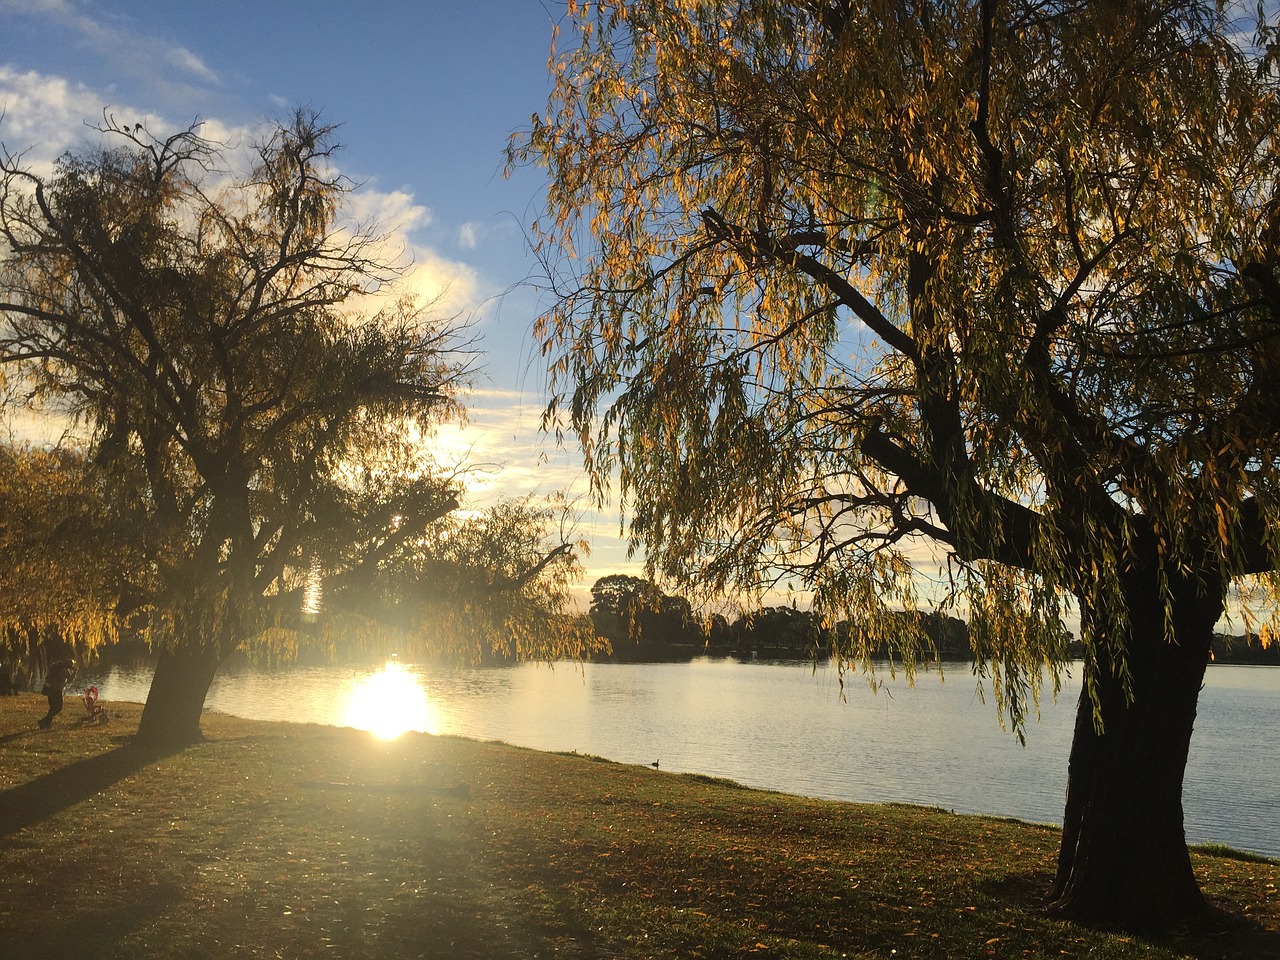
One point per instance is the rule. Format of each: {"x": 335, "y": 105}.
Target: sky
{"x": 426, "y": 93}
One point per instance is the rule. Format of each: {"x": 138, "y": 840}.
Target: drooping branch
{"x": 1008, "y": 540}
{"x": 761, "y": 243}
{"x": 531, "y": 573}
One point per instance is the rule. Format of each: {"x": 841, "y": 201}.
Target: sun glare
{"x": 389, "y": 703}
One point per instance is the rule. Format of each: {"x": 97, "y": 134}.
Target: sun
{"x": 389, "y": 703}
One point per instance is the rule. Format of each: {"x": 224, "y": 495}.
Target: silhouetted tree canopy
{"x": 641, "y": 621}
{"x": 249, "y": 393}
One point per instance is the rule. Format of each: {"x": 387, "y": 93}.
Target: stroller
{"x": 94, "y": 712}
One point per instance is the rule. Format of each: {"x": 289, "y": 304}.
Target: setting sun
{"x": 389, "y": 703}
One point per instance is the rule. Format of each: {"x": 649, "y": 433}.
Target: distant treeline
{"x": 643, "y": 623}
{"x": 1248, "y": 649}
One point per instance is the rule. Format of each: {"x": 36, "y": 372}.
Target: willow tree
{"x": 69, "y": 557}
{"x": 206, "y": 334}
{"x": 842, "y": 283}
{"x": 486, "y": 586}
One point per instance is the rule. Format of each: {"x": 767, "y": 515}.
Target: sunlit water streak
{"x": 784, "y": 726}
{"x": 389, "y": 703}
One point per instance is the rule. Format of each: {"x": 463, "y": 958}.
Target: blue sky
{"x": 426, "y": 94}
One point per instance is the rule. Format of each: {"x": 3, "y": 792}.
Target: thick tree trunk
{"x": 171, "y": 717}
{"x": 1124, "y": 855}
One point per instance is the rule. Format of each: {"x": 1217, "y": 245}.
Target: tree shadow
{"x": 1221, "y": 934}
{"x": 1224, "y": 934}
{"x": 94, "y": 931}
{"x": 30, "y": 803}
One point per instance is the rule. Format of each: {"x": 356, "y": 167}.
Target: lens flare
{"x": 389, "y": 703}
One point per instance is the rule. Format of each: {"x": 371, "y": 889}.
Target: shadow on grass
{"x": 30, "y": 803}
{"x": 92, "y": 931}
{"x": 1219, "y": 935}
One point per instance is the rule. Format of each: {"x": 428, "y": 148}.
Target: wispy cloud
{"x": 130, "y": 51}
{"x": 502, "y": 433}
{"x": 512, "y": 457}
{"x": 187, "y": 62}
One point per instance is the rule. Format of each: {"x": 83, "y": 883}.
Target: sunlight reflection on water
{"x": 389, "y": 703}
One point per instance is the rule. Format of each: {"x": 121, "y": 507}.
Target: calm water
{"x": 785, "y": 727}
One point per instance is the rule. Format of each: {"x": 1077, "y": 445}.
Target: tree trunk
{"x": 1124, "y": 854}
{"x": 171, "y": 717}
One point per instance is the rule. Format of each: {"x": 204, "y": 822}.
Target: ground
{"x": 284, "y": 840}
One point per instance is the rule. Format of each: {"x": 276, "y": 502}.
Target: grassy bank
{"x": 281, "y": 840}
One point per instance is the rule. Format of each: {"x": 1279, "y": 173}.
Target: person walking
{"x": 61, "y": 672}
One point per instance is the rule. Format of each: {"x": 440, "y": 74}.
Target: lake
{"x": 783, "y": 726}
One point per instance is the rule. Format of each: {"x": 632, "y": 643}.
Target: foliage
{"x": 847, "y": 290}
{"x": 68, "y": 556}
{"x": 250, "y": 390}
{"x": 1248, "y": 648}
{"x": 643, "y": 622}
{"x": 640, "y": 620}
{"x": 1001, "y": 279}
{"x": 779, "y": 628}
{"x": 621, "y": 595}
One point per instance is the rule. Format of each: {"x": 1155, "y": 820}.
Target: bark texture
{"x": 171, "y": 717}
{"x": 1124, "y": 855}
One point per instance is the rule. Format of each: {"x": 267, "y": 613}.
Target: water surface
{"x": 786, "y": 726}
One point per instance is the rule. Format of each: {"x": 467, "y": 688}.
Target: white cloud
{"x": 469, "y": 235}
{"x": 393, "y": 212}
{"x": 448, "y": 285}
{"x": 130, "y": 52}
{"x": 45, "y": 115}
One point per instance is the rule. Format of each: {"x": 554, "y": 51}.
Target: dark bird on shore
{"x": 654, "y": 764}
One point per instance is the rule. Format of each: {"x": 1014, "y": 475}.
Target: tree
{"x": 207, "y": 333}
{"x": 840, "y": 284}
{"x": 777, "y": 631}
{"x": 477, "y": 588}
{"x": 639, "y": 620}
{"x": 68, "y": 558}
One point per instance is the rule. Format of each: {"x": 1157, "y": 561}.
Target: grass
{"x": 282, "y": 840}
